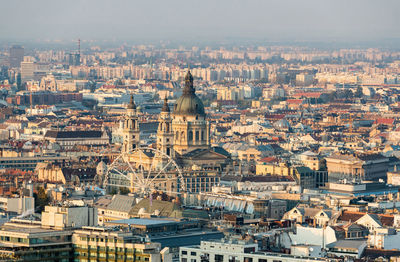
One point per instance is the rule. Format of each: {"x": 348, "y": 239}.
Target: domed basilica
{"x": 183, "y": 135}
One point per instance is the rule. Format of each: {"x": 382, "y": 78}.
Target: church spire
{"x": 189, "y": 89}
{"x": 132, "y": 104}
{"x": 165, "y": 107}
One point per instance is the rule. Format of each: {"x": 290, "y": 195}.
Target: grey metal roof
{"x": 145, "y": 221}
{"x": 353, "y": 244}
{"x": 122, "y": 203}
{"x": 73, "y": 134}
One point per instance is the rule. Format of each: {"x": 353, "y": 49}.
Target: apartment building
{"x": 235, "y": 251}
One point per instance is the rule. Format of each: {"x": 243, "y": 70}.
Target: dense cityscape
{"x": 210, "y": 152}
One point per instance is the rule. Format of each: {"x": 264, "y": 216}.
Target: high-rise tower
{"x": 16, "y": 56}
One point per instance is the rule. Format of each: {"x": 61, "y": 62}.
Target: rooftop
{"x": 144, "y": 221}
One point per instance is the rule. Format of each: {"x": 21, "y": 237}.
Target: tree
{"x": 332, "y": 96}
{"x": 118, "y": 82}
{"x": 124, "y": 191}
{"x": 92, "y": 87}
{"x": 41, "y": 199}
{"x": 359, "y": 92}
{"x": 348, "y": 94}
{"x": 113, "y": 191}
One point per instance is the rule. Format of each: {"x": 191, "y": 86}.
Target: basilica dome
{"x": 189, "y": 103}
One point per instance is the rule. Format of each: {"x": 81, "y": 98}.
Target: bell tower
{"x": 165, "y": 135}
{"x": 131, "y": 131}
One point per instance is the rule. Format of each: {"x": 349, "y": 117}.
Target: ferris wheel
{"x": 145, "y": 170}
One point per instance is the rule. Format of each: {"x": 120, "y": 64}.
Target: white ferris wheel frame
{"x": 144, "y": 181}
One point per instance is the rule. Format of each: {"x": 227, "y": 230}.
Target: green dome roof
{"x": 189, "y": 103}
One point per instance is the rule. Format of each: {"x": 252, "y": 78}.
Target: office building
{"x": 24, "y": 240}
{"x": 27, "y": 71}
{"x": 16, "y": 56}
{"x": 112, "y": 244}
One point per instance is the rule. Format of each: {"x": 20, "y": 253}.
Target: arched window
{"x": 197, "y": 135}
{"x": 182, "y": 136}
{"x": 202, "y": 135}
{"x": 177, "y": 135}
{"x": 168, "y": 151}
{"x": 190, "y": 135}
{"x": 167, "y": 129}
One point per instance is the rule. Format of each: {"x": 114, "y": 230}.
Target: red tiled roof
{"x": 108, "y": 86}
{"x": 386, "y": 220}
{"x": 274, "y": 116}
{"x": 269, "y": 159}
{"x": 294, "y": 101}
{"x": 308, "y": 94}
{"x": 384, "y": 121}
{"x": 350, "y": 216}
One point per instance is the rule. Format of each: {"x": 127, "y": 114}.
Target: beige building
{"x": 316, "y": 216}
{"x": 69, "y": 139}
{"x": 310, "y": 160}
{"x": 27, "y": 71}
{"x": 304, "y": 79}
{"x": 273, "y": 169}
{"x": 189, "y": 123}
{"x": 230, "y": 93}
{"x": 19, "y": 205}
{"x": 119, "y": 207}
{"x": 367, "y": 167}
{"x": 304, "y": 176}
{"x": 68, "y": 217}
{"x": 108, "y": 244}
{"x": 393, "y": 178}
{"x": 54, "y": 173}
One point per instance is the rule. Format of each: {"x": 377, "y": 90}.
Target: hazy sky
{"x": 200, "y": 19}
